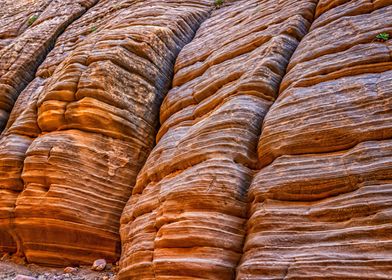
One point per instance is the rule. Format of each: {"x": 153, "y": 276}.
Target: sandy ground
{"x": 10, "y": 268}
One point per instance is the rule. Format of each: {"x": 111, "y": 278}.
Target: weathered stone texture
{"x": 320, "y": 207}
{"x": 28, "y": 30}
{"x": 273, "y": 159}
{"x": 186, "y": 217}
{"x": 337, "y": 87}
{"x": 85, "y": 126}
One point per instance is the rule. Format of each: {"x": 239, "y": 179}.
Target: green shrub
{"x": 93, "y": 29}
{"x": 32, "y": 19}
{"x": 383, "y": 37}
{"x": 218, "y": 3}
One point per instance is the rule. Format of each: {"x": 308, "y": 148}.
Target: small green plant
{"x": 93, "y": 29}
{"x": 382, "y": 37}
{"x": 32, "y": 19}
{"x": 218, "y": 3}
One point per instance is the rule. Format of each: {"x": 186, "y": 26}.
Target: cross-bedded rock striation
{"x": 83, "y": 127}
{"x": 320, "y": 207}
{"x": 186, "y": 217}
{"x": 28, "y": 30}
{"x": 274, "y": 155}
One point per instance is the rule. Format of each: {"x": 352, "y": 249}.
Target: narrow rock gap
{"x": 195, "y": 29}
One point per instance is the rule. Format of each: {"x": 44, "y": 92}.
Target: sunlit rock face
{"x": 186, "y": 217}
{"x": 83, "y": 127}
{"x": 28, "y": 30}
{"x": 320, "y": 208}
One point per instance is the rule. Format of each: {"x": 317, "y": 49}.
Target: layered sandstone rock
{"x": 83, "y": 128}
{"x": 28, "y": 30}
{"x": 26, "y": 34}
{"x": 311, "y": 194}
{"x": 320, "y": 207}
{"x": 22, "y": 128}
{"x": 186, "y": 217}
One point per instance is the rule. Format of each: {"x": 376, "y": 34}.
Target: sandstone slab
{"x": 186, "y": 217}
{"x": 85, "y": 126}
{"x": 320, "y": 206}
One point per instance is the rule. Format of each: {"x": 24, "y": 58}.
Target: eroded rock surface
{"x": 274, "y": 155}
{"x": 186, "y": 217}
{"x": 28, "y": 30}
{"x": 82, "y": 129}
{"x": 320, "y": 207}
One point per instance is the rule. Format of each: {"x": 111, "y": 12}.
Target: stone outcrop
{"x": 28, "y": 30}
{"x": 83, "y": 127}
{"x": 245, "y": 140}
{"x": 186, "y": 217}
{"x": 320, "y": 207}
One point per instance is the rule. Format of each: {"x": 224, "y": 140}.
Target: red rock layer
{"x": 185, "y": 219}
{"x": 321, "y": 206}
{"x": 28, "y": 29}
{"x": 23, "y": 44}
{"x": 83, "y": 128}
